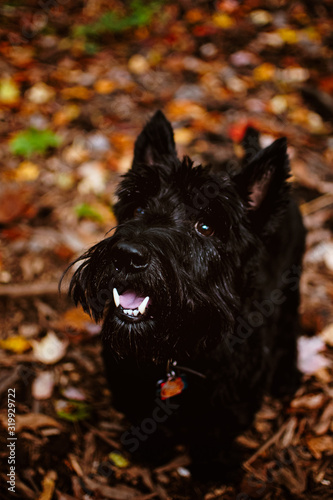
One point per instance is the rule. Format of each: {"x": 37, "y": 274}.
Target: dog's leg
{"x": 286, "y": 376}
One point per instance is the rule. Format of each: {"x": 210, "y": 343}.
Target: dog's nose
{"x": 130, "y": 256}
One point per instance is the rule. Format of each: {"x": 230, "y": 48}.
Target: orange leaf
{"x": 76, "y": 318}
{"x": 104, "y": 86}
{"x": 77, "y": 92}
{"x": 264, "y": 72}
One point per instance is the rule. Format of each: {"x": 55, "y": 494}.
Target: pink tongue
{"x": 130, "y": 300}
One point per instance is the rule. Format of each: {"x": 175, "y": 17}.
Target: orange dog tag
{"x": 172, "y": 387}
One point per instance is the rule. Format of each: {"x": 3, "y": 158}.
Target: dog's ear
{"x": 155, "y": 142}
{"x": 263, "y": 181}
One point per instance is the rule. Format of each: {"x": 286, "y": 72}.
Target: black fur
{"x": 219, "y": 255}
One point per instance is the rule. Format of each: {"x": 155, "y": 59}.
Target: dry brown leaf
{"x": 16, "y": 202}
{"x": 76, "y": 318}
{"x": 293, "y": 484}
{"x": 320, "y": 445}
{"x": 48, "y": 485}
{"x": 309, "y": 401}
{"x": 323, "y": 426}
{"x": 120, "y": 492}
{"x": 327, "y": 335}
{"x": 247, "y": 442}
{"x": 32, "y": 421}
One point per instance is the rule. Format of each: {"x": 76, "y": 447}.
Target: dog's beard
{"x": 171, "y": 335}
{"x": 190, "y": 305}
{"x": 180, "y": 320}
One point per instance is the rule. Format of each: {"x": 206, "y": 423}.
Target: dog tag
{"x": 172, "y": 387}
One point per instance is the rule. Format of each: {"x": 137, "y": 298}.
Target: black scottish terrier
{"x": 198, "y": 292}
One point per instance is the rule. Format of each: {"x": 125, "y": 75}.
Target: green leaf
{"x": 87, "y": 211}
{"x": 91, "y": 48}
{"x": 72, "y": 410}
{"x": 139, "y": 14}
{"x": 119, "y": 460}
{"x": 31, "y": 141}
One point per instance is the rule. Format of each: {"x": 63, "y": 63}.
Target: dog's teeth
{"x": 143, "y": 305}
{"x": 116, "y": 297}
{"x": 136, "y": 312}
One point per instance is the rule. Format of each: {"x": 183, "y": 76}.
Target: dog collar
{"x": 175, "y": 382}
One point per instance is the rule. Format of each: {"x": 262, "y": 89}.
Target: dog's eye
{"x": 204, "y": 229}
{"x": 138, "y": 212}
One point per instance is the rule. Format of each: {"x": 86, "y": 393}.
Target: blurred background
{"x": 78, "y": 81}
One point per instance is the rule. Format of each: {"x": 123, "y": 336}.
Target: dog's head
{"x": 170, "y": 280}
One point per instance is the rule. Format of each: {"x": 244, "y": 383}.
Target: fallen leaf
{"x": 326, "y": 419}
{"x": 72, "y": 410}
{"x": 323, "y": 252}
{"x": 327, "y": 335}
{"x": 183, "y": 472}
{"x": 264, "y": 72}
{"x": 77, "y": 92}
{"x": 320, "y": 445}
{"x": 16, "y": 344}
{"x": 119, "y": 460}
{"x": 194, "y": 15}
{"x": 138, "y": 64}
{"x": 50, "y": 349}
{"x": 84, "y": 210}
{"x": 237, "y": 130}
{"x": 182, "y": 109}
{"x": 309, "y": 401}
{"x": 27, "y": 171}
{"x": 93, "y": 176}
{"x": 16, "y": 203}
{"x": 261, "y": 17}
{"x": 31, "y": 141}
{"x": 294, "y": 74}
{"x": 21, "y": 56}
{"x": 48, "y": 484}
{"x": 309, "y": 358}
{"x": 31, "y": 421}
{"x": 74, "y": 394}
{"x": 76, "y": 153}
{"x": 121, "y": 142}
{"x": 183, "y": 136}
{"x": 42, "y": 386}
{"x": 76, "y": 318}
{"x": 288, "y": 35}
{"x": 40, "y": 93}
{"x": 326, "y": 84}
{"x": 9, "y": 91}
{"x": 105, "y": 86}
{"x": 278, "y": 104}
{"x": 223, "y": 21}
{"x": 68, "y": 113}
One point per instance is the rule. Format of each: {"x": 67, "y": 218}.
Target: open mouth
{"x": 130, "y": 304}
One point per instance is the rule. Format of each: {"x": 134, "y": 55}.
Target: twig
{"x": 102, "y": 435}
{"x": 181, "y": 461}
{"x": 28, "y": 289}
{"x": 317, "y": 204}
{"x": 264, "y": 447}
{"x": 11, "y": 379}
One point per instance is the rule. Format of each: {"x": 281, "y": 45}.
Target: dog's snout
{"x": 131, "y": 257}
